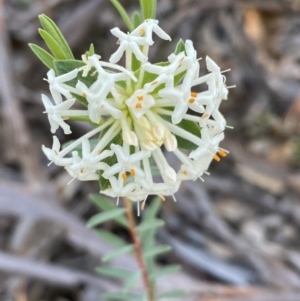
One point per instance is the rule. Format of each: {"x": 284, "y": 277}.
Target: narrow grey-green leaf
{"x": 170, "y": 269}
{"x": 147, "y": 7}
{"x": 106, "y": 205}
{"x": 121, "y": 296}
{"x": 173, "y": 294}
{"x": 150, "y": 225}
{"x": 180, "y": 47}
{"x": 191, "y": 127}
{"x": 136, "y": 19}
{"x": 132, "y": 279}
{"x": 111, "y": 238}
{"x": 46, "y": 58}
{"x": 53, "y": 46}
{"x": 118, "y": 252}
{"x": 56, "y": 34}
{"x": 157, "y": 251}
{"x": 152, "y": 210}
{"x": 113, "y": 272}
{"x": 103, "y": 217}
{"x": 123, "y": 14}
{"x": 91, "y": 50}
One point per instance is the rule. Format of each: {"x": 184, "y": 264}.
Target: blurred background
{"x": 236, "y": 235}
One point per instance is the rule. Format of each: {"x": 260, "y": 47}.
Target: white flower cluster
{"x": 148, "y": 107}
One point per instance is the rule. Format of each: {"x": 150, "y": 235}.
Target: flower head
{"x": 136, "y": 110}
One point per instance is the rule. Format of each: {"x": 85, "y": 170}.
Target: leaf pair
{"x": 55, "y": 41}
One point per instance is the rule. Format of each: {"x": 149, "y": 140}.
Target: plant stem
{"x": 138, "y": 250}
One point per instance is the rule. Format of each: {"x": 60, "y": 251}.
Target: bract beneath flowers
{"x": 139, "y": 112}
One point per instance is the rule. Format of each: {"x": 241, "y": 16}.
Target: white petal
{"x": 115, "y": 57}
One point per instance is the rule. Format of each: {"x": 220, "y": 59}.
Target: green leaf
{"x": 118, "y": 252}
{"x": 148, "y": 8}
{"x": 113, "y": 272}
{"x": 45, "y": 57}
{"x": 52, "y": 45}
{"x": 104, "y": 183}
{"x": 152, "y": 210}
{"x": 56, "y": 34}
{"x": 150, "y": 225}
{"x": 103, "y": 217}
{"x": 123, "y": 14}
{"x": 179, "y": 47}
{"x": 91, "y": 50}
{"x": 132, "y": 279}
{"x": 121, "y": 296}
{"x": 107, "y": 205}
{"x": 170, "y": 269}
{"x": 136, "y": 19}
{"x": 111, "y": 238}
{"x": 173, "y": 294}
{"x": 157, "y": 251}
{"x": 191, "y": 127}
{"x": 65, "y": 66}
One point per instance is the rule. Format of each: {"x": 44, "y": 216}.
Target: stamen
{"x": 226, "y": 70}
{"x": 143, "y": 204}
{"x": 184, "y": 172}
{"x": 205, "y": 115}
{"x": 162, "y": 197}
{"x": 140, "y": 97}
{"x": 217, "y": 158}
{"x": 142, "y": 31}
{"x": 84, "y": 95}
{"x": 231, "y": 87}
{"x": 138, "y": 106}
{"x": 124, "y": 176}
{"x": 222, "y": 153}
{"x": 194, "y": 94}
{"x": 191, "y": 100}
{"x": 132, "y": 172}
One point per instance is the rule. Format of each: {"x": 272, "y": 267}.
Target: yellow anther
{"x": 217, "y": 158}
{"x": 142, "y": 31}
{"x": 143, "y": 205}
{"x": 191, "y": 100}
{"x": 124, "y": 176}
{"x": 162, "y": 197}
{"x": 140, "y": 97}
{"x": 222, "y": 153}
{"x": 138, "y": 106}
{"x": 132, "y": 172}
{"x": 194, "y": 94}
{"x": 205, "y": 115}
{"x": 84, "y": 95}
{"x": 184, "y": 172}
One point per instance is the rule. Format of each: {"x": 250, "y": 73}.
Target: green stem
{"x": 138, "y": 250}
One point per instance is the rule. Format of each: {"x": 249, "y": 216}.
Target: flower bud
{"x": 149, "y": 145}
{"x": 170, "y": 142}
{"x": 170, "y": 175}
{"x": 130, "y": 138}
{"x": 159, "y": 130}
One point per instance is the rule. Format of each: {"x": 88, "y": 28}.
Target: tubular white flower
{"x": 126, "y": 162}
{"x": 140, "y": 102}
{"x": 97, "y": 104}
{"x": 165, "y": 74}
{"x": 54, "y": 154}
{"x": 55, "y": 113}
{"x": 56, "y": 83}
{"x": 85, "y": 168}
{"x": 147, "y": 28}
{"x": 128, "y": 42}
